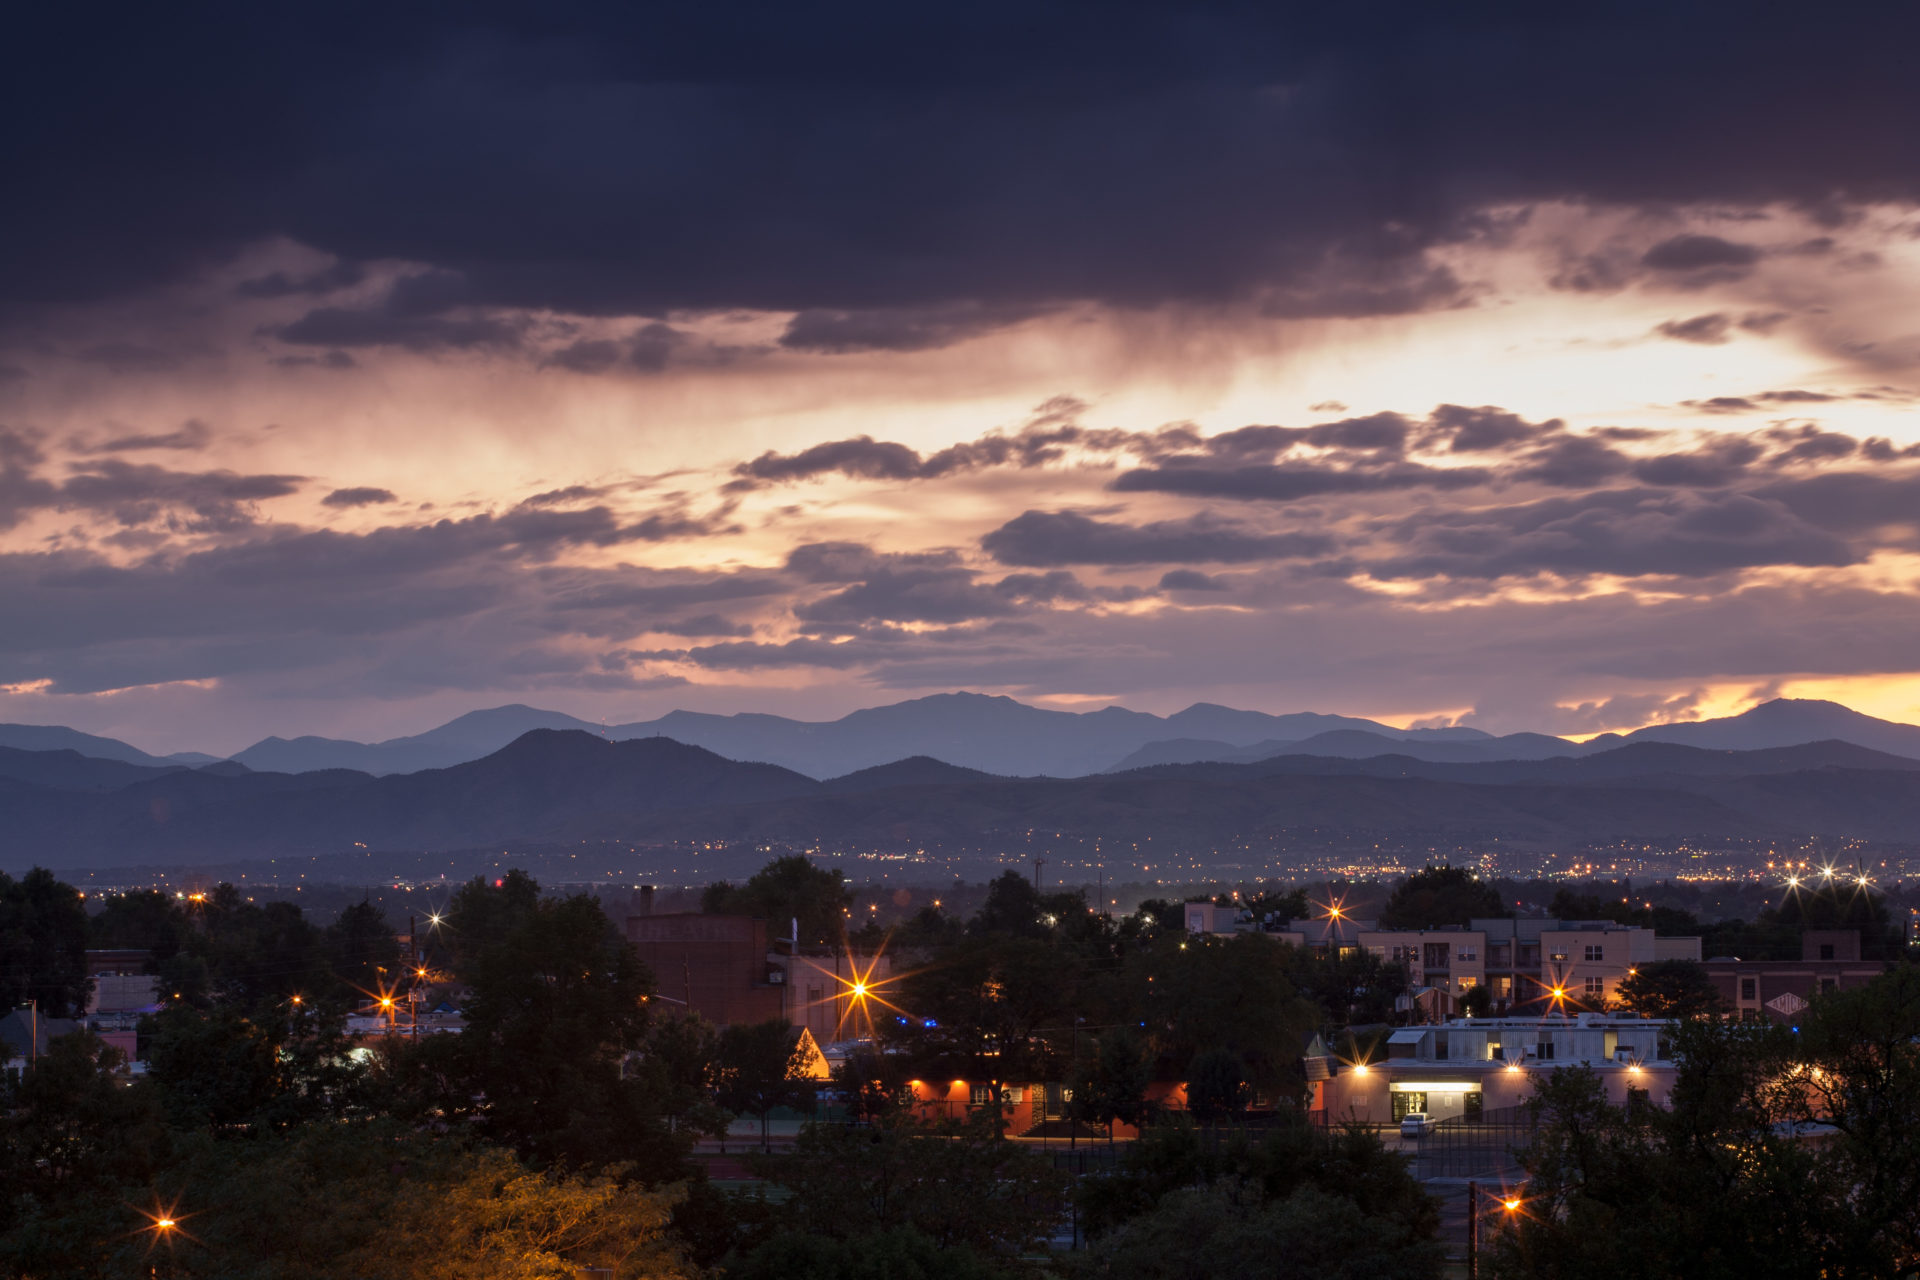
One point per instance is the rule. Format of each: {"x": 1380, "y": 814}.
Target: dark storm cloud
{"x": 191, "y": 435}
{"x": 343, "y": 327}
{"x": 360, "y": 497}
{"x": 1484, "y": 429}
{"x": 135, "y": 493}
{"x": 1295, "y": 481}
{"x": 1809, "y": 444}
{"x": 1708, "y": 330}
{"x": 1043, "y": 538}
{"x": 1627, "y": 533}
{"x": 646, "y": 349}
{"x": 1190, "y": 580}
{"x": 701, "y": 626}
{"x": 873, "y": 167}
{"x": 1695, "y": 253}
{"x": 1046, "y": 437}
{"x": 1715, "y": 463}
{"x": 895, "y": 328}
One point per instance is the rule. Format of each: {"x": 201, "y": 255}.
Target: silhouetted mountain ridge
{"x": 568, "y": 785}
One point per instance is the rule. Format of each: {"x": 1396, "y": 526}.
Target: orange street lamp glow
{"x": 1513, "y": 1206}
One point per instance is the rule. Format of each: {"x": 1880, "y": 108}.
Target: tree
{"x": 381, "y": 1202}
{"x": 955, "y": 1183}
{"x": 1217, "y": 1086}
{"x": 556, "y": 1001}
{"x": 363, "y": 950}
{"x": 1434, "y": 897}
{"x": 1013, "y": 907}
{"x": 43, "y": 945}
{"x": 214, "y": 1071}
{"x": 871, "y": 1084}
{"x": 1226, "y": 993}
{"x": 1725, "y": 1183}
{"x": 1134, "y": 1214}
{"x": 681, "y": 1060}
{"x": 761, "y": 1066}
{"x": 790, "y": 888}
{"x": 1231, "y": 1229}
{"x": 1112, "y": 1083}
{"x": 899, "y": 1253}
{"x": 141, "y": 920}
{"x": 1671, "y": 989}
{"x": 982, "y": 1013}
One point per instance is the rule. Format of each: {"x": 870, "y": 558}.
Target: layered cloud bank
{"x": 1545, "y": 376}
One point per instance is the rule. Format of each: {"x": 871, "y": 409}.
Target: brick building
{"x": 1778, "y": 990}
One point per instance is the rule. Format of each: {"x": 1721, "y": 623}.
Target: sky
{"x": 364, "y": 365}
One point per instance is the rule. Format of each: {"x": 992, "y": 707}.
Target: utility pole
{"x": 413, "y": 988}
{"x": 1473, "y": 1230}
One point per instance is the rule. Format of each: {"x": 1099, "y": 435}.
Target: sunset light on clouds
{"x": 1132, "y": 359}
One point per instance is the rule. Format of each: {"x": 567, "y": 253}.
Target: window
{"x": 1545, "y": 1051}
{"x": 1596, "y": 988}
{"x": 1465, "y": 953}
{"x": 1435, "y": 955}
{"x": 1596, "y": 951}
{"x": 1406, "y": 1102}
{"x": 1503, "y": 987}
{"x": 1828, "y": 984}
{"x": 1473, "y": 1101}
{"x": 1749, "y": 988}
{"x": 1826, "y": 951}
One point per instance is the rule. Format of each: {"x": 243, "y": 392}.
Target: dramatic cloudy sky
{"x": 363, "y": 365}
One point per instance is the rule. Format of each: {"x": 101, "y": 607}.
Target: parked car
{"x": 1414, "y": 1125}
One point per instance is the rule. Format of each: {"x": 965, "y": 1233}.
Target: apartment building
{"x": 1520, "y": 962}
{"x": 1466, "y": 1067}
{"x": 1777, "y": 990}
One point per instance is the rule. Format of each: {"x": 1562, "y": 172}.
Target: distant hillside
{"x": 992, "y": 734}
{"x": 566, "y": 785}
{"x": 1785, "y": 722}
{"x": 53, "y": 737}
{"x": 1003, "y": 737}
{"x": 1354, "y": 744}
{"x": 471, "y": 736}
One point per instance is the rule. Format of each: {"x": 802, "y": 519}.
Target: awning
{"x": 1408, "y": 1035}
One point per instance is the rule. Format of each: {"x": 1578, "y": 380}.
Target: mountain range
{"x": 1006, "y": 737}
{"x": 557, "y": 787}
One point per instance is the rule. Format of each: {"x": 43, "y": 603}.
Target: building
{"x": 1518, "y": 961}
{"x": 1467, "y": 1067}
{"x": 729, "y": 970}
{"x": 121, "y": 984}
{"x": 1778, "y": 990}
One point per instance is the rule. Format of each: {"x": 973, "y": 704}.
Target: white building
{"x": 1469, "y": 1066}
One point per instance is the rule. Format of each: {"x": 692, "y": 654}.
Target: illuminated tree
{"x": 1671, "y": 989}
